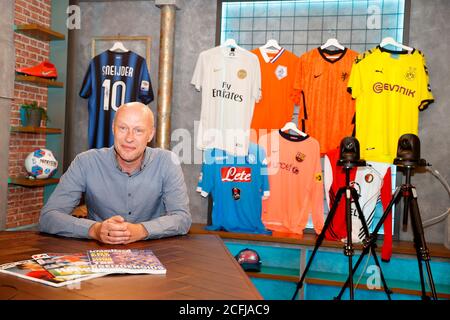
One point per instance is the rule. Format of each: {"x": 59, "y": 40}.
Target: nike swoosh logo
{"x": 316, "y": 76}
{"x": 46, "y": 72}
{"x": 370, "y": 148}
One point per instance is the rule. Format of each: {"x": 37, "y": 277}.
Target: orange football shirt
{"x": 320, "y": 89}
{"x": 296, "y": 184}
{"x": 276, "y": 106}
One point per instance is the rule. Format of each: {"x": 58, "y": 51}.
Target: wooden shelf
{"x": 398, "y": 247}
{"x": 329, "y": 279}
{"x": 36, "y": 130}
{"x": 25, "y": 182}
{"x": 271, "y": 276}
{"x": 397, "y": 286}
{"x": 39, "y": 81}
{"x": 39, "y": 32}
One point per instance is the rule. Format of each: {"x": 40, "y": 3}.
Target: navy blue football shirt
{"x": 112, "y": 79}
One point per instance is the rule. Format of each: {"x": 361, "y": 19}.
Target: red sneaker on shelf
{"x": 44, "y": 69}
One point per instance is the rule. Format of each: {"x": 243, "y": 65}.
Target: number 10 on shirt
{"x": 106, "y": 85}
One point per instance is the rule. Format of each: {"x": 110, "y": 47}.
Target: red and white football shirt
{"x": 373, "y": 184}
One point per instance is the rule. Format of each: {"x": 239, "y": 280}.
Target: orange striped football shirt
{"x": 320, "y": 89}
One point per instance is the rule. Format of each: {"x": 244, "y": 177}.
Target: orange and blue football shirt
{"x": 390, "y": 87}
{"x": 296, "y": 186}
{"x": 321, "y": 92}
{"x": 277, "y": 81}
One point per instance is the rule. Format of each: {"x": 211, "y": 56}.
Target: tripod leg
{"x": 405, "y": 210}
{"x": 422, "y": 281}
{"x": 370, "y": 243}
{"x": 319, "y": 240}
{"x": 361, "y": 257}
{"x": 348, "y": 249}
{"x": 339, "y": 296}
{"x": 383, "y": 280}
{"x": 420, "y": 244}
{"x": 417, "y": 245}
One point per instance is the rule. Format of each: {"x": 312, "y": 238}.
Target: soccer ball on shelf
{"x": 41, "y": 164}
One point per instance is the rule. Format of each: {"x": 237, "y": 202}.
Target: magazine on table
{"x": 31, "y": 270}
{"x": 65, "y": 266}
{"x": 125, "y": 261}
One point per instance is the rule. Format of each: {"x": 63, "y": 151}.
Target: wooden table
{"x": 198, "y": 267}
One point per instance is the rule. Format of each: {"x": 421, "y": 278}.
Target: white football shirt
{"x": 230, "y": 81}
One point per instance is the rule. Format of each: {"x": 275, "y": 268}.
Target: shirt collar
{"x": 148, "y": 157}
{"x": 268, "y": 59}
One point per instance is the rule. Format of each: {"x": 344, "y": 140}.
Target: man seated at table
{"x": 133, "y": 192}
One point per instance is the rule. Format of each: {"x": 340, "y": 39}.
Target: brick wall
{"x": 24, "y": 204}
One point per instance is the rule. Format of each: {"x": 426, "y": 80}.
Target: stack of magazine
{"x": 61, "y": 269}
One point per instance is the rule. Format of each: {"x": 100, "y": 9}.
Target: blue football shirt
{"x": 112, "y": 79}
{"x": 237, "y": 185}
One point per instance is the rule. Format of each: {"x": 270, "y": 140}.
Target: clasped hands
{"x": 116, "y": 230}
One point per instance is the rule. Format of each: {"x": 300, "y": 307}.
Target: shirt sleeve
{"x": 145, "y": 85}
{"x": 265, "y": 188}
{"x": 327, "y": 179}
{"x": 426, "y": 96}
{"x": 56, "y": 215}
{"x": 256, "y": 86}
{"x": 197, "y": 78}
{"x": 293, "y": 94}
{"x": 176, "y": 219}
{"x": 206, "y": 178}
{"x": 297, "y": 89}
{"x": 317, "y": 197}
{"x": 386, "y": 195}
{"x": 86, "y": 87}
{"x": 354, "y": 85}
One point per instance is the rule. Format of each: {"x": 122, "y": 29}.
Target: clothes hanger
{"x": 230, "y": 43}
{"x": 272, "y": 43}
{"x": 291, "y": 126}
{"x": 390, "y": 41}
{"x": 332, "y": 42}
{"x": 118, "y": 46}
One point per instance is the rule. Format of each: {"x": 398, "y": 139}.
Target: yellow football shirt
{"x": 390, "y": 87}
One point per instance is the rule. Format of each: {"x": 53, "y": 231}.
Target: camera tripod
{"x": 409, "y": 194}
{"x": 350, "y": 193}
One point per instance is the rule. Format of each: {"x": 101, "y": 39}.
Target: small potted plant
{"x": 31, "y": 114}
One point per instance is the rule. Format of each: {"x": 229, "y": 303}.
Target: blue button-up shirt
{"x": 155, "y": 195}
